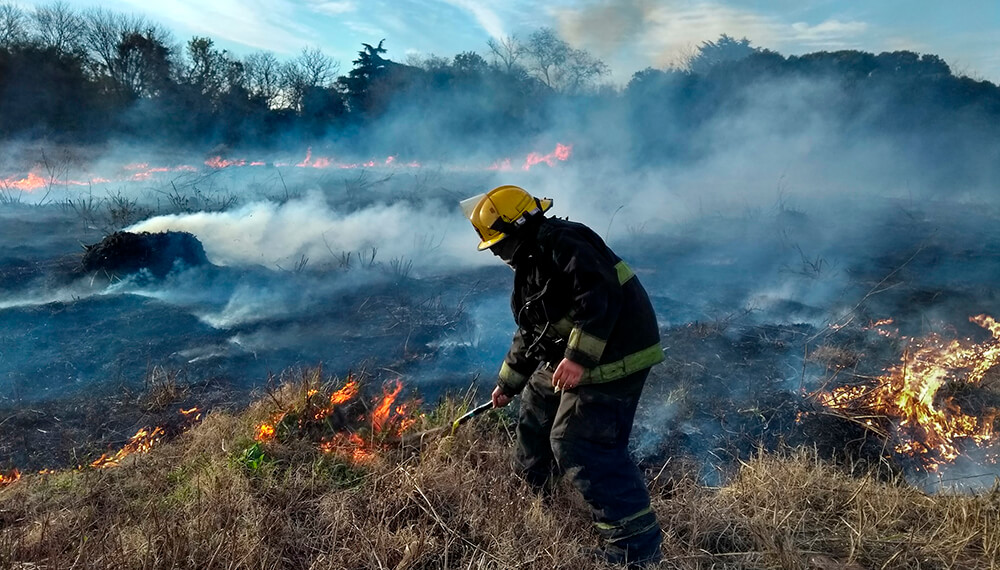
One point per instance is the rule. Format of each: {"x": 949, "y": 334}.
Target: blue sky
{"x": 627, "y": 34}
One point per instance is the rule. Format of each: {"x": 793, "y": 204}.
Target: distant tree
{"x": 726, "y": 48}
{"x": 368, "y": 67}
{"x": 47, "y": 93}
{"x": 559, "y": 65}
{"x": 59, "y": 27}
{"x": 263, "y": 78}
{"x": 103, "y": 32}
{"x": 142, "y": 64}
{"x": 469, "y": 63}
{"x": 430, "y": 62}
{"x": 908, "y": 63}
{"x": 130, "y": 51}
{"x": 507, "y": 51}
{"x": 211, "y": 72}
{"x": 547, "y": 53}
{"x": 581, "y": 71}
{"x": 312, "y": 69}
{"x": 13, "y": 26}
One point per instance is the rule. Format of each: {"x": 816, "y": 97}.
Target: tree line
{"x": 95, "y": 75}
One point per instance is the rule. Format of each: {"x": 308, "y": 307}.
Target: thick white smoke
{"x": 430, "y": 235}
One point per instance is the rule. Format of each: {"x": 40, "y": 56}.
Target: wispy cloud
{"x": 485, "y": 16}
{"x": 827, "y": 34}
{"x": 333, "y": 8}
{"x": 262, "y": 24}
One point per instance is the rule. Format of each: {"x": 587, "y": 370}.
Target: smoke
{"x": 281, "y": 234}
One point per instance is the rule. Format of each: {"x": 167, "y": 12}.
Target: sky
{"x": 629, "y": 35}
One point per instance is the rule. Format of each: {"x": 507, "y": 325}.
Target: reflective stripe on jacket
{"x": 574, "y": 298}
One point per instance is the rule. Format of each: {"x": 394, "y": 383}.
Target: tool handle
{"x": 473, "y": 413}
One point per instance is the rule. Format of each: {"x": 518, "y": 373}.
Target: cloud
{"x": 828, "y": 34}
{"x": 333, "y": 8}
{"x": 255, "y": 23}
{"x": 485, "y": 16}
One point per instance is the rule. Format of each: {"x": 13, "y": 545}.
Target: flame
{"x": 307, "y": 161}
{"x": 561, "y": 153}
{"x": 342, "y": 396}
{"x": 141, "y": 442}
{"x": 927, "y": 429}
{"x": 193, "y": 414}
{"x": 387, "y": 419}
{"x": 347, "y": 393}
{"x": 9, "y": 478}
{"x": 265, "y": 433}
{"x": 218, "y": 162}
{"x": 349, "y": 445}
{"x": 878, "y": 323}
{"x": 33, "y": 181}
{"x": 381, "y": 413}
{"x": 142, "y": 171}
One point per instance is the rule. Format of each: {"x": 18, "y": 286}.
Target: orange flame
{"x": 142, "y": 171}
{"x": 265, "y": 433}
{"x": 381, "y": 413}
{"x": 929, "y": 430}
{"x": 219, "y": 162}
{"x": 141, "y": 442}
{"x": 193, "y": 414}
{"x": 33, "y": 181}
{"x": 347, "y": 393}
{"x": 9, "y": 478}
{"x": 561, "y": 153}
{"x": 349, "y": 445}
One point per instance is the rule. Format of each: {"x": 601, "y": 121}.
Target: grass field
{"x": 216, "y": 498}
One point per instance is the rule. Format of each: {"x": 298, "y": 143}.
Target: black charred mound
{"x": 122, "y": 253}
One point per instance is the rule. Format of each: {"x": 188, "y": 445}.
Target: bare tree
{"x": 13, "y": 26}
{"x": 547, "y": 52}
{"x": 429, "y": 62}
{"x": 581, "y": 70}
{"x": 59, "y": 27}
{"x": 558, "y": 65}
{"x": 317, "y": 68}
{"x": 312, "y": 68}
{"x": 130, "y": 51}
{"x": 263, "y": 77}
{"x": 506, "y": 50}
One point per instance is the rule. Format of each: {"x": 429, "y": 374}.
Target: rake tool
{"x": 419, "y": 440}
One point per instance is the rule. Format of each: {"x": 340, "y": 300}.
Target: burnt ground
{"x": 746, "y": 326}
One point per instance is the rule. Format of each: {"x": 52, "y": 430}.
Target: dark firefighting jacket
{"x": 574, "y": 298}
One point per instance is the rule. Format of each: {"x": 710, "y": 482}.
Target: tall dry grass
{"x": 197, "y": 502}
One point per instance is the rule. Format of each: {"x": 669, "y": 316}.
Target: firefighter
{"x": 585, "y": 341}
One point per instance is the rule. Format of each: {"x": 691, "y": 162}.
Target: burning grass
{"x": 919, "y": 398}
{"x": 225, "y": 495}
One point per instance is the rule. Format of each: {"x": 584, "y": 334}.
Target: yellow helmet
{"x": 501, "y": 212}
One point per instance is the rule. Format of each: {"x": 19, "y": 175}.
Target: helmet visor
{"x": 469, "y": 205}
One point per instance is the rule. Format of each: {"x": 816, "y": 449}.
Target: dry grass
{"x": 194, "y": 503}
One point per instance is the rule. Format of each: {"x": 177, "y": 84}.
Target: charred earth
{"x": 123, "y": 253}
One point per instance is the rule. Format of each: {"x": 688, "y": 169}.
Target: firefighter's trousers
{"x": 584, "y": 434}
